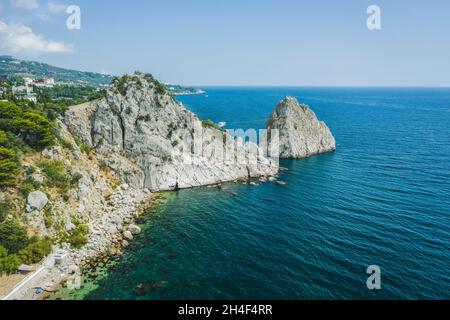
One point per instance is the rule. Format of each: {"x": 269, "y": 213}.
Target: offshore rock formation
{"x": 300, "y": 133}
{"x": 152, "y": 142}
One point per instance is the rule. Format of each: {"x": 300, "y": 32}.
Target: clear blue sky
{"x": 315, "y": 43}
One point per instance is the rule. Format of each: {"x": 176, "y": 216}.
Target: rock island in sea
{"x": 301, "y": 134}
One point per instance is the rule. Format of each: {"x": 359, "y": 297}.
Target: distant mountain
{"x": 180, "y": 90}
{"x": 10, "y": 67}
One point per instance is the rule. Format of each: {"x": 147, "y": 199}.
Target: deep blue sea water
{"x": 383, "y": 198}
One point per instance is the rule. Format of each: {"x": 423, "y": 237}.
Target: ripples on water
{"x": 382, "y": 198}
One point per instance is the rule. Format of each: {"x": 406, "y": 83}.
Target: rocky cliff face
{"x": 301, "y": 134}
{"x": 152, "y": 142}
{"x": 97, "y": 199}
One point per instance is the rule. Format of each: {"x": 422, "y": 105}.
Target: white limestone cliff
{"x": 153, "y": 142}
{"x": 300, "y": 133}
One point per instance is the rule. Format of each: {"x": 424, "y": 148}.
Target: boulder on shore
{"x": 134, "y": 230}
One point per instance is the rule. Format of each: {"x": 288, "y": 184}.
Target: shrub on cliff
{"x": 35, "y": 251}
{"x": 3, "y": 137}
{"x": 29, "y": 125}
{"x": 3, "y": 252}
{"x": 13, "y": 237}
{"x": 5, "y": 208}
{"x": 55, "y": 174}
{"x": 210, "y": 124}
{"x": 78, "y": 237}
{"x": 9, "y": 110}
{"x": 16, "y": 248}
{"x": 8, "y": 263}
{"x": 34, "y": 129}
{"x": 160, "y": 88}
{"x": 121, "y": 84}
{"x": 8, "y": 167}
{"x": 29, "y": 185}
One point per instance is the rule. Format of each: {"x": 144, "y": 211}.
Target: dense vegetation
{"x": 28, "y": 127}
{"x": 7, "y": 90}
{"x": 120, "y": 83}
{"x": 67, "y": 95}
{"x": 25, "y": 125}
{"x": 17, "y": 248}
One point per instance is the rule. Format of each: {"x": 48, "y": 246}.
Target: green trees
{"x": 65, "y": 94}
{"x": 13, "y": 237}
{"x": 78, "y": 237}
{"x": 121, "y": 84}
{"x": 8, "y": 163}
{"x": 9, "y": 110}
{"x": 5, "y": 208}
{"x": 35, "y": 251}
{"x": 8, "y": 263}
{"x": 20, "y": 127}
{"x": 16, "y": 248}
{"x": 7, "y": 94}
{"x": 33, "y": 128}
{"x": 8, "y": 167}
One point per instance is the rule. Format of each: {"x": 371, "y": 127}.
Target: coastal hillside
{"x": 74, "y": 179}
{"x": 11, "y": 67}
{"x": 56, "y": 193}
{"x": 77, "y": 179}
{"x": 15, "y": 70}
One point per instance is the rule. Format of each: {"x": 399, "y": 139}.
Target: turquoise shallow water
{"x": 382, "y": 198}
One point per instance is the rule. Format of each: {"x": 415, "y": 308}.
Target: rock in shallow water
{"x": 128, "y": 235}
{"x": 134, "y": 230}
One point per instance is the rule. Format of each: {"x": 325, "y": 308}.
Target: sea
{"x": 382, "y": 199}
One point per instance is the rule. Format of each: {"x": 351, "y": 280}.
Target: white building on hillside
{"x": 27, "y": 96}
{"x": 28, "y": 81}
{"x": 21, "y": 89}
{"x": 50, "y": 81}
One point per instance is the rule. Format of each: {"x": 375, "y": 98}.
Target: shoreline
{"x": 108, "y": 238}
{"x": 101, "y": 264}
{"x": 98, "y": 267}
{"x": 100, "y": 260}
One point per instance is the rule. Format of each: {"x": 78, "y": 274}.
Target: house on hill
{"x": 21, "y": 89}
{"x": 27, "y": 96}
{"x": 49, "y": 82}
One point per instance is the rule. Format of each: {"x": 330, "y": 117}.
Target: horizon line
{"x": 316, "y": 86}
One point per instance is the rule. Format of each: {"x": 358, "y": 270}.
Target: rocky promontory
{"x": 151, "y": 141}
{"x": 300, "y": 133}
